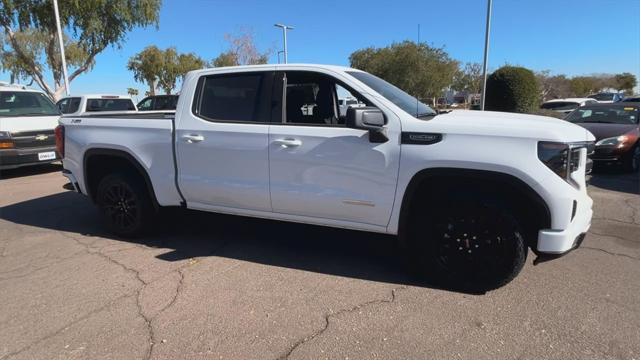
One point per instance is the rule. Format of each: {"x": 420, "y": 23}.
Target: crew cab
{"x": 95, "y": 103}
{"x": 467, "y": 192}
{"x": 27, "y": 122}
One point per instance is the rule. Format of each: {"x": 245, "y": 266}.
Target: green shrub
{"x": 512, "y": 89}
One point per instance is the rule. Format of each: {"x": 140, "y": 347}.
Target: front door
{"x": 318, "y": 166}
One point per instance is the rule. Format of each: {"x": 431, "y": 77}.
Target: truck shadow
{"x": 189, "y": 234}
{"x": 30, "y": 170}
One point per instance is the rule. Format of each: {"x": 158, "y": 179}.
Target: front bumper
{"x": 14, "y": 158}
{"x": 558, "y": 242}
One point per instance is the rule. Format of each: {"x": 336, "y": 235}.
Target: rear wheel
{"x": 473, "y": 245}
{"x": 124, "y": 204}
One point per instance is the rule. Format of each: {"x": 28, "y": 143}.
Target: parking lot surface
{"x": 223, "y": 287}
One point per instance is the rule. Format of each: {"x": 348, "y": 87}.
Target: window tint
{"x": 145, "y": 104}
{"x": 96, "y": 105}
{"x": 560, "y": 105}
{"x": 74, "y": 104}
{"x": 23, "y": 103}
{"x": 165, "y": 103}
{"x": 232, "y": 97}
{"x": 63, "y": 105}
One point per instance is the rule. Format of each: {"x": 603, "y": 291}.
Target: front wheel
{"x": 475, "y": 246}
{"x": 632, "y": 162}
{"x": 124, "y": 204}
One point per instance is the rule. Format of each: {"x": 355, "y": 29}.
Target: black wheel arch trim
{"x": 516, "y": 183}
{"x": 123, "y": 155}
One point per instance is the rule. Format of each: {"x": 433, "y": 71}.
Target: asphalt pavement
{"x": 210, "y": 286}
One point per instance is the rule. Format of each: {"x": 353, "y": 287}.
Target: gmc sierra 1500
{"x": 467, "y": 192}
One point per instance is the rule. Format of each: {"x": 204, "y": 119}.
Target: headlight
{"x": 5, "y": 140}
{"x": 613, "y": 141}
{"x": 563, "y": 159}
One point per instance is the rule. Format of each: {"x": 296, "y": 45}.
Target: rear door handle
{"x": 288, "y": 142}
{"x": 193, "y": 138}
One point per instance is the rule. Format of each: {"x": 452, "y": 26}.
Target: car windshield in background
{"x": 95, "y": 105}
{"x": 400, "y": 98}
{"x": 560, "y": 105}
{"x": 23, "y": 103}
{"x": 605, "y": 115}
{"x": 602, "y": 97}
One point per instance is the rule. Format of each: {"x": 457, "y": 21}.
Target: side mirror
{"x": 368, "y": 118}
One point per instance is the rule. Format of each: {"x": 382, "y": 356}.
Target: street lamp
{"x": 279, "y": 52}
{"x": 61, "y": 43}
{"x": 486, "y": 56}
{"x": 284, "y": 35}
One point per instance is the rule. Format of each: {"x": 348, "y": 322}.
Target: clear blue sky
{"x": 565, "y": 36}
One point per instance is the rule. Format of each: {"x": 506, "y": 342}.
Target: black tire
{"x": 632, "y": 161}
{"x": 467, "y": 245}
{"x": 125, "y": 205}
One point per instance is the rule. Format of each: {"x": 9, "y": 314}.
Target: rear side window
{"x": 165, "y": 103}
{"x": 74, "y": 104}
{"x": 242, "y": 97}
{"x": 96, "y": 105}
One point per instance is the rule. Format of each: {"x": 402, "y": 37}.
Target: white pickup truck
{"x": 467, "y": 192}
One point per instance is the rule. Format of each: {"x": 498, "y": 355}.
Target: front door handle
{"x": 288, "y": 142}
{"x": 193, "y": 138}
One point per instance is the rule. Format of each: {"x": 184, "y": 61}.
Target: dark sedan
{"x": 617, "y": 131}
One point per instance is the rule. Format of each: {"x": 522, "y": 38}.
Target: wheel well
{"x": 99, "y": 163}
{"x": 435, "y": 186}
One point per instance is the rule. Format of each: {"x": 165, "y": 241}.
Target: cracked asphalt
{"x": 210, "y": 286}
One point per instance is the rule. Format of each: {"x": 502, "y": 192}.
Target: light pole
{"x": 284, "y": 35}
{"x": 486, "y": 56}
{"x": 279, "y": 52}
{"x": 61, "y": 43}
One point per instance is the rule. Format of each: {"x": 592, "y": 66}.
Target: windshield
{"x": 23, "y": 103}
{"x": 602, "y": 97}
{"x": 94, "y": 105}
{"x": 400, "y": 98}
{"x": 560, "y": 105}
{"x": 607, "y": 115}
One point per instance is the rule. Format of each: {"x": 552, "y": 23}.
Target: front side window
{"x": 24, "y": 103}
{"x": 108, "y": 104}
{"x": 318, "y": 99}
{"x": 74, "y": 105}
{"x": 63, "y": 105}
{"x": 232, "y": 97}
{"x": 165, "y": 103}
{"x": 401, "y": 99}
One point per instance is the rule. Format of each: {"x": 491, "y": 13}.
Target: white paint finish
{"x": 330, "y": 166}
{"x": 28, "y": 123}
{"x": 228, "y": 167}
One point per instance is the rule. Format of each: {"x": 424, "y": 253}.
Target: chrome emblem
{"x": 41, "y": 137}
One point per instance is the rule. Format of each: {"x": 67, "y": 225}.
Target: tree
{"x": 552, "y": 86}
{"x": 132, "y": 92}
{"x": 162, "y": 68}
{"x": 242, "y": 51}
{"x": 30, "y": 34}
{"x": 147, "y": 66}
{"x": 468, "y": 79}
{"x": 625, "y": 82}
{"x": 582, "y": 86}
{"x": 512, "y": 89}
{"x": 417, "y": 68}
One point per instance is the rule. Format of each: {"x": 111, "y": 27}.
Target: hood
{"x": 28, "y": 123}
{"x": 493, "y": 123}
{"x": 603, "y": 131}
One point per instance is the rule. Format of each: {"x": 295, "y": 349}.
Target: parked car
{"x": 27, "y": 121}
{"x": 158, "y": 103}
{"x": 243, "y": 142}
{"x": 607, "y": 97}
{"x": 566, "y": 106}
{"x": 631, "y": 99}
{"x": 94, "y": 104}
{"x": 617, "y": 131}
{"x": 345, "y": 104}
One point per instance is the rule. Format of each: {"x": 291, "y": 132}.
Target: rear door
{"x": 222, "y": 142}
{"x": 319, "y": 167}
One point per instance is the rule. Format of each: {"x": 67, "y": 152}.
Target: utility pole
{"x": 486, "y": 56}
{"x": 284, "y": 35}
{"x": 61, "y": 43}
